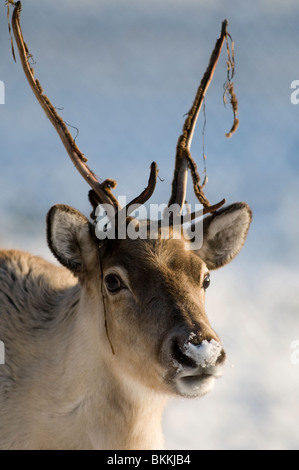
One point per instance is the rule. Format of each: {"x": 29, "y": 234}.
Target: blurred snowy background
{"x": 125, "y": 72}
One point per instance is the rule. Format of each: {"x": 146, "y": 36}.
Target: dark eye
{"x": 206, "y": 282}
{"x": 113, "y": 283}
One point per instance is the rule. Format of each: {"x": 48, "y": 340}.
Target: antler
{"x": 101, "y": 191}
{"x": 71, "y": 147}
{"x": 183, "y": 158}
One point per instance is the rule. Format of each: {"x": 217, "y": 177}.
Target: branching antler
{"x": 102, "y": 190}
{"x": 183, "y": 156}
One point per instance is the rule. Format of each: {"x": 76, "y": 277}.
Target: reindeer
{"x": 95, "y": 348}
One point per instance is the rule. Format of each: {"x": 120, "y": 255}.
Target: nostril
{"x": 180, "y": 357}
{"x": 206, "y": 354}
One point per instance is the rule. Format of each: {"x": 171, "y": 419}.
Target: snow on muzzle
{"x": 193, "y": 368}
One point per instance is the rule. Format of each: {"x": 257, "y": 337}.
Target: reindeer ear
{"x": 70, "y": 238}
{"x": 224, "y": 234}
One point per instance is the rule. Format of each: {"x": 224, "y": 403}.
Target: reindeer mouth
{"x": 194, "y": 368}
{"x": 190, "y": 383}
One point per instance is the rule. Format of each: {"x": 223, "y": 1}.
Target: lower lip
{"x": 195, "y": 385}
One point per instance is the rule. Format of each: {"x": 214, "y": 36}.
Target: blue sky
{"x": 125, "y": 73}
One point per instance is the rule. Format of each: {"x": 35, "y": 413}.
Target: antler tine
{"x": 102, "y": 190}
{"x": 183, "y": 158}
{"x": 171, "y": 221}
{"x": 148, "y": 191}
{"x": 204, "y": 211}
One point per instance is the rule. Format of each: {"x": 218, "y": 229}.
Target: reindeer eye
{"x": 113, "y": 283}
{"x": 206, "y": 282}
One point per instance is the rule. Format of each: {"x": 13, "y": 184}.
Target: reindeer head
{"x": 153, "y": 295}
